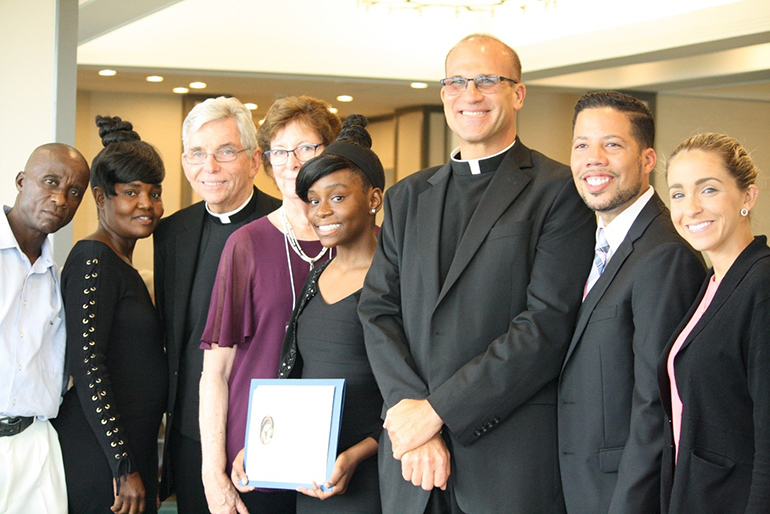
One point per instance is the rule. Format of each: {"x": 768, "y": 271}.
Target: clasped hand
{"x": 411, "y": 424}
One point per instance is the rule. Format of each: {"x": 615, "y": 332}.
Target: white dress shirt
{"x": 32, "y": 332}
{"x": 616, "y": 231}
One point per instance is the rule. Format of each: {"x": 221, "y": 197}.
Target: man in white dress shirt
{"x": 32, "y": 331}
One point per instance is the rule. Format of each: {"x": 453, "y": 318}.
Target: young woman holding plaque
{"x": 343, "y": 190}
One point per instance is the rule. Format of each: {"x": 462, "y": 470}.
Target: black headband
{"x": 364, "y": 158}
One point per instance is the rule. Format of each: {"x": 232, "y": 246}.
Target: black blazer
{"x": 176, "y": 241}
{"x": 484, "y": 348}
{"x": 723, "y": 378}
{"x": 610, "y": 417}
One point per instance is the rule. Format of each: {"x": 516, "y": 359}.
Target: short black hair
{"x": 125, "y": 157}
{"x": 642, "y": 122}
{"x": 354, "y": 140}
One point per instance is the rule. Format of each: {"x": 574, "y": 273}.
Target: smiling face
{"x": 291, "y": 136}
{"x": 133, "y": 212}
{"x": 339, "y": 208}
{"x": 484, "y": 123}
{"x": 224, "y": 186}
{"x": 610, "y": 168}
{"x": 706, "y": 203}
{"x": 51, "y": 188}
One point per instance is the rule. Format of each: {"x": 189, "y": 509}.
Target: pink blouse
{"x": 676, "y": 402}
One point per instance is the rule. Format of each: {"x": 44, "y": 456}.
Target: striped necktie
{"x": 601, "y": 256}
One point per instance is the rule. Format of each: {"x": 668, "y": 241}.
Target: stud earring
{"x": 374, "y": 211}
{"x": 744, "y": 212}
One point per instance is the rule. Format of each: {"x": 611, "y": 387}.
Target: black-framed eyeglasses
{"x": 484, "y": 83}
{"x": 222, "y": 155}
{"x": 302, "y": 153}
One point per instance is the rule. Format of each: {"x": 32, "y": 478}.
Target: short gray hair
{"x": 221, "y": 108}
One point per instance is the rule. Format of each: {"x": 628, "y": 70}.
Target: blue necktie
{"x": 601, "y": 256}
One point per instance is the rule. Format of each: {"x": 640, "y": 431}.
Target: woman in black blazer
{"x": 715, "y": 375}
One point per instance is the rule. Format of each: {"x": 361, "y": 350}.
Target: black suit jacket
{"x": 484, "y": 348}
{"x": 723, "y": 378}
{"x": 176, "y": 241}
{"x": 610, "y": 417}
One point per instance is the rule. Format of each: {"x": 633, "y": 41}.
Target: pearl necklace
{"x": 291, "y": 238}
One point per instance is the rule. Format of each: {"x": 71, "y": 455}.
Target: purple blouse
{"x": 251, "y": 304}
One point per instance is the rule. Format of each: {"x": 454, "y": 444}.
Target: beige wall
{"x": 158, "y": 119}
{"x": 680, "y": 117}
{"x": 545, "y": 122}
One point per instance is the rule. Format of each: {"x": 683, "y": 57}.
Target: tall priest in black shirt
{"x": 220, "y": 160}
{"x": 469, "y": 305}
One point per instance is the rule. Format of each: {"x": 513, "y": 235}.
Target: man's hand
{"x": 427, "y": 466}
{"x": 411, "y": 423}
{"x": 222, "y": 497}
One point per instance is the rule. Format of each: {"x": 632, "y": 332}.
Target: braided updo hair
{"x": 350, "y": 151}
{"x": 125, "y": 157}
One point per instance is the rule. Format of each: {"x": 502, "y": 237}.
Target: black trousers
{"x": 279, "y": 502}
{"x": 186, "y": 470}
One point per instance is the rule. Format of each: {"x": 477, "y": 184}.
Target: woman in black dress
{"x": 343, "y": 189}
{"x": 108, "y": 422}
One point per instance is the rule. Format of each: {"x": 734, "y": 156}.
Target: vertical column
{"x": 38, "y": 82}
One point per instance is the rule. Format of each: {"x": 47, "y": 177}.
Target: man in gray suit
{"x": 470, "y": 303}
{"x": 644, "y": 279}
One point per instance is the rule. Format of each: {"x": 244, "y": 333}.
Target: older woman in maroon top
{"x": 261, "y": 271}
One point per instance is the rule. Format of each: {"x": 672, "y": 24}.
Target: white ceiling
{"x": 259, "y": 49}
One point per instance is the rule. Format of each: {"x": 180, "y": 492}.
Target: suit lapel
{"x": 649, "y": 212}
{"x": 506, "y": 184}
{"x": 186, "y": 257}
{"x": 430, "y": 206}
{"x": 756, "y": 250}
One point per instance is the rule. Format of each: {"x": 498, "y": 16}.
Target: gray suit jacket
{"x": 485, "y": 347}
{"x": 610, "y": 416}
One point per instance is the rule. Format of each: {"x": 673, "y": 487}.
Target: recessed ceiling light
{"x": 251, "y": 106}
{"x": 419, "y": 85}
{"x": 198, "y": 85}
{"x": 108, "y": 73}
{"x": 333, "y": 110}
{"x": 154, "y": 78}
{"x": 180, "y": 90}
{"x": 344, "y": 98}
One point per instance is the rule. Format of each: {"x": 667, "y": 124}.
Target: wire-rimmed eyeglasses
{"x": 484, "y": 83}
{"x": 226, "y": 154}
{"x": 302, "y": 153}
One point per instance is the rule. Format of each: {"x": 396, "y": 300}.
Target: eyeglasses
{"x": 221, "y": 155}
{"x": 484, "y": 83}
{"x": 302, "y": 153}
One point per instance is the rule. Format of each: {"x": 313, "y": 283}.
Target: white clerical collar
{"x": 474, "y": 163}
{"x": 616, "y": 231}
{"x": 224, "y": 218}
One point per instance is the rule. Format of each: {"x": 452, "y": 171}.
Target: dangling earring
{"x": 744, "y": 212}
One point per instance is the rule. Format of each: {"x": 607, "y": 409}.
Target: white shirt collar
{"x": 8, "y": 240}
{"x": 474, "y": 163}
{"x": 225, "y": 217}
{"x": 616, "y": 231}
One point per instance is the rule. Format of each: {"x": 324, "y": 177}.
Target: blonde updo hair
{"x": 734, "y": 157}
